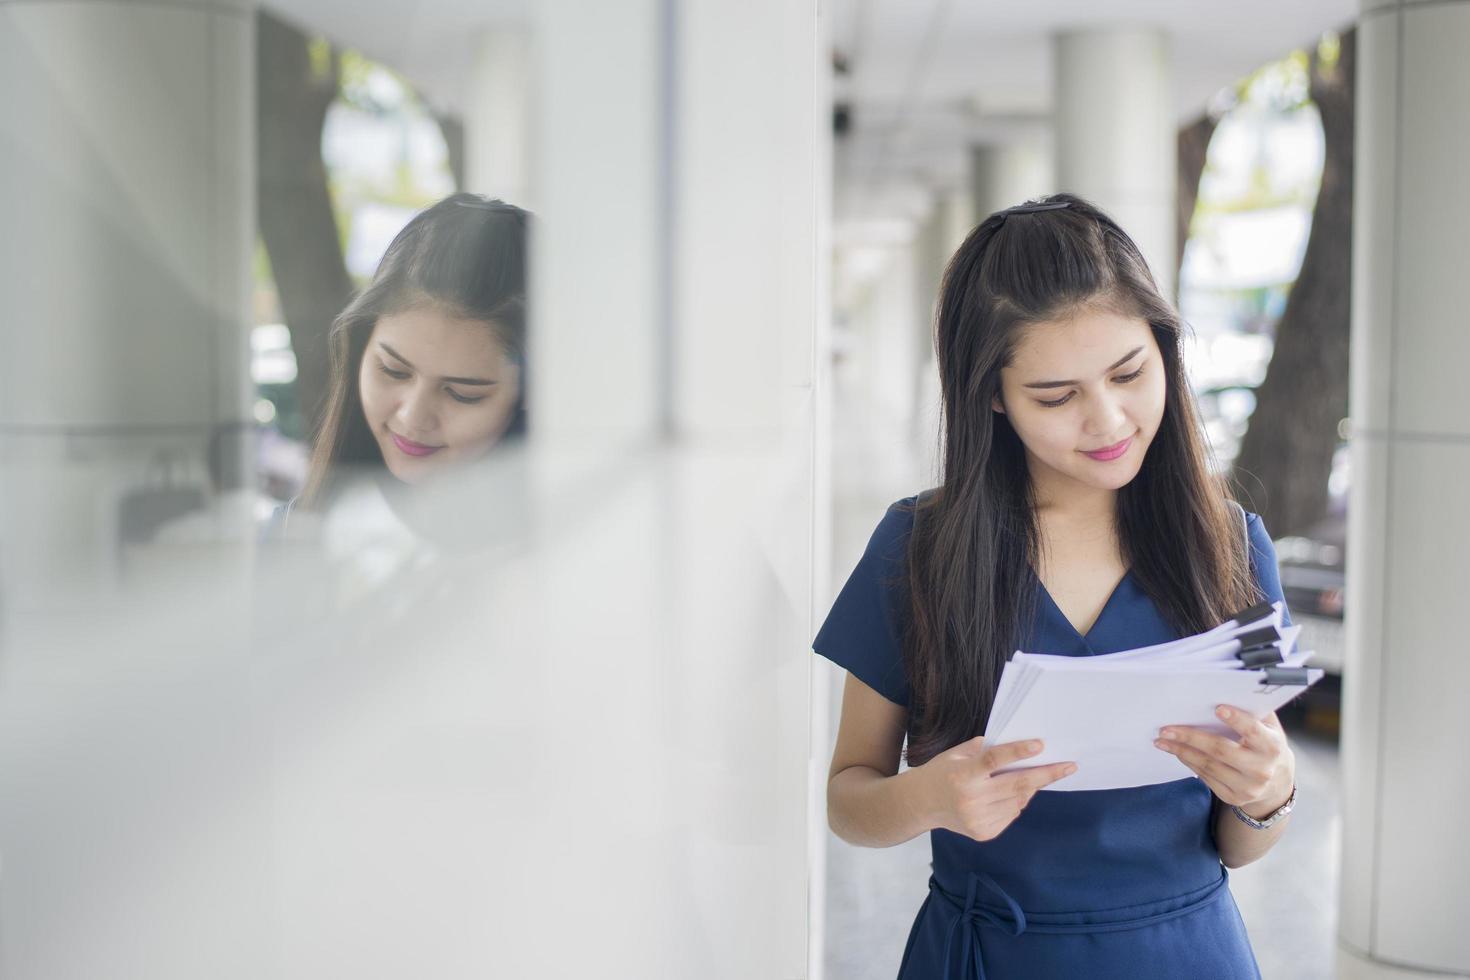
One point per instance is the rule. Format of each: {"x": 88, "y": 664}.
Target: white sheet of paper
{"x": 1106, "y": 719}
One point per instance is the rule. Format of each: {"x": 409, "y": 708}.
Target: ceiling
{"x": 929, "y": 78}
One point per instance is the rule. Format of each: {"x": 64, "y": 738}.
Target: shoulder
{"x": 890, "y": 539}
{"x": 1260, "y": 538}
{"x": 276, "y": 525}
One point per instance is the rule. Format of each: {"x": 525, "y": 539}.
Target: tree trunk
{"x": 296, "y": 218}
{"x": 1287, "y": 454}
{"x": 1193, "y": 145}
{"x": 452, "y": 128}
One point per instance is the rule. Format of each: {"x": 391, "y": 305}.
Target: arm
{"x": 871, "y": 804}
{"x": 1256, "y": 773}
{"x": 1240, "y": 844}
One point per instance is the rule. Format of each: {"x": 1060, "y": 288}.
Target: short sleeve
{"x": 1263, "y": 563}
{"x": 863, "y": 632}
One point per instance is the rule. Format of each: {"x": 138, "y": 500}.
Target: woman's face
{"x": 1104, "y": 375}
{"x": 436, "y": 390}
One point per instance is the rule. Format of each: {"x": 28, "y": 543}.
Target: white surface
{"x": 129, "y": 202}
{"x": 1116, "y": 139}
{"x": 1431, "y": 343}
{"x": 1104, "y": 712}
{"x": 497, "y": 118}
{"x": 1405, "y": 858}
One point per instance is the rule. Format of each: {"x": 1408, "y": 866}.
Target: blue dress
{"x": 1102, "y": 884}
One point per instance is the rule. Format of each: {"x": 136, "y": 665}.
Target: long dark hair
{"x": 975, "y": 539}
{"x": 466, "y": 255}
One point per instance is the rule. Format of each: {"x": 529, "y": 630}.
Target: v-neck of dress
{"x": 1102, "y": 613}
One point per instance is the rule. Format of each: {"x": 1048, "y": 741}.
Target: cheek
{"x": 370, "y": 392}
{"x": 480, "y": 424}
{"x": 1153, "y": 398}
{"x": 1044, "y": 429}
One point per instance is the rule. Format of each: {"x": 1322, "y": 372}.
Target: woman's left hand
{"x": 1256, "y": 773}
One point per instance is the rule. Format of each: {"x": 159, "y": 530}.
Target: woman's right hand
{"x": 966, "y": 796}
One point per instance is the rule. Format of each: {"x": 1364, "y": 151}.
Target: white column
{"x": 958, "y": 209}
{"x": 1115, "y": 137}
{"x": 930, "y": 254}
{"x": 127, "y": 185}
{"x": 596, "y": 344}
{"x": 750, "y": 167}
{"x": 1003, "y": 174}
{"x": 1405, "y": 886}
{"x": 675, "y": 299}
{"x": 497, "y": 118}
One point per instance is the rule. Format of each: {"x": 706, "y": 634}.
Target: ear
{"x": 995, "y": 404}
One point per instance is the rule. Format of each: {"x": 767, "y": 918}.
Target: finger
{"x": 1207, "y": 742}
{"x": 1231, "y": 782}
{"x": 1000, "y": 756}
{"x": 1030, "y": 780}
{"x": 1245, "y": 724}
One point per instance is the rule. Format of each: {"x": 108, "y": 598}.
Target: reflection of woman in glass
{"x": 428, "y": 361}
{"x": 1078, "y": 516}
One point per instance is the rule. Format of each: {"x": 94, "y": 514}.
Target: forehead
{"x": 1078, "y": 346}
{"x": 437, "y": 342}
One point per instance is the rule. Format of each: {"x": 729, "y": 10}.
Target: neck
{"x": 1061, "y": 500}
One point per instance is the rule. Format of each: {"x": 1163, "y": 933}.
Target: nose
{"x": 1106, "y": 417}
{"x": 416, "y": 415}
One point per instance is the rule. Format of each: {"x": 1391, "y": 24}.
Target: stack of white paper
{"x": 1103, "y": 712}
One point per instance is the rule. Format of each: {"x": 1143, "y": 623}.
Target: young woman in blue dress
{"x": 1078, "y": 514}
{"x": 427, "y": 362}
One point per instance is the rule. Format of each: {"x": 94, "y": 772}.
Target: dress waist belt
{"x": 973, "y": 916}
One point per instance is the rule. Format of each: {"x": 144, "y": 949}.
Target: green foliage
{"x": 1283, "y": 85}
{"x": 319, "y": 53}
{"x": 1329, "y": 50}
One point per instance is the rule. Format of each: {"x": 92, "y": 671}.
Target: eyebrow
{"x": 1062, "y": 384}
{"x": 458, "y": 381}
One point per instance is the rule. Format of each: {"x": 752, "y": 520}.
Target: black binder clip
{"x": 1280, "y": 676}
{"x": 1261, "y": 657}
{"x": 1260, "y": 648}
{"x": 1257, "y": 612}
{"x": 1264, "y": 636}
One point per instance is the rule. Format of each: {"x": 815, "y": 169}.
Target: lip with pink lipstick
{"x": 1112, "y": 452}
{"x": 412, "y": 448}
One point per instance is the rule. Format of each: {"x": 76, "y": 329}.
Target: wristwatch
{"x": 1271, "y": 817}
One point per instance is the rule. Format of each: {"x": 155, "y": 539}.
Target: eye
{"x": 395, "y": 375}
{"x": 464, "y": 399}
{"x": 1125, "y": 379}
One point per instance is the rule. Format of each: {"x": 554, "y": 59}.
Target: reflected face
{"x": 1090, "y": 382}
{"x": 436, "y": 389}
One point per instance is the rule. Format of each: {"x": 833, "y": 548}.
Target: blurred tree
{"x": 297, "y": 79}
{"x": 1287, "y": 451}
{"x": 1193, "y": 145}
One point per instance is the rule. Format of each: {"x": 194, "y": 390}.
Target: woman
{"x": 1077, "y": 515}
{"x": 427, "y": 362}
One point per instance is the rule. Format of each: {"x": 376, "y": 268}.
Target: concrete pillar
{"x": 1405, "y": 885}
{"x": 957, "y": 206}
{"x": 127, "y": 185}
{"x": 1003, "y": 174}
{"x": 598, "y": 344}
{"x": 930, "y": 253}
{"x": 675, "y": 299}
{"x": 497, "y": 120}
{"x": 1115, "y": 135}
